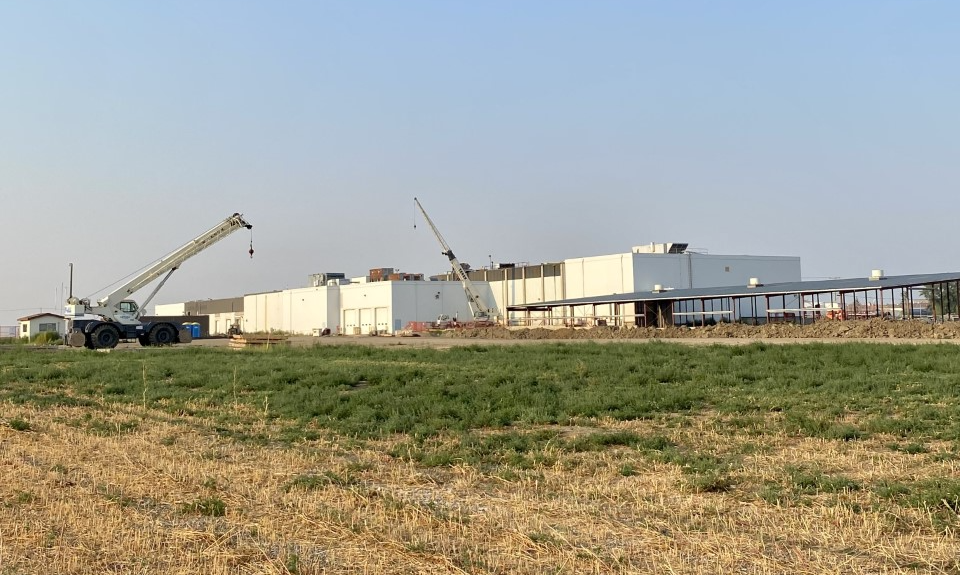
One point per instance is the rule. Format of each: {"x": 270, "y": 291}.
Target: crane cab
{"x": 129, "y": 306}
{"x": 127, "y": 312}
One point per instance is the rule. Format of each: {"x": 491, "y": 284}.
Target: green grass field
{"x": 869, "y": 429}
{"x": 820, "y": 390}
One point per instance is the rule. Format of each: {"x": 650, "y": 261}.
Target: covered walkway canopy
{"x": 893, "y": 297}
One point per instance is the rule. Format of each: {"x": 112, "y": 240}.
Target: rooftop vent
{"x": 876, "y": 275}
{"x": 754, "y": 282}
{"x": 657, "y": 288}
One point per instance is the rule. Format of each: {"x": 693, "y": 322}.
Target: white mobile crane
{"x": 481, "y": 311}
{"x": 116, "y": 318}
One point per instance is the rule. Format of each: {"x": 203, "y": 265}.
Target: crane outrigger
{"x": 116, "y": 318}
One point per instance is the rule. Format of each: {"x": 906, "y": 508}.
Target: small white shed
{"x": 32, "y": 325}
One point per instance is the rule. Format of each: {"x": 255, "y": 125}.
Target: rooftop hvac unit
{"x": 754, "y": 282}
{"x": 321, "y": 279}
{"x": 876, "y": 275}
{"x": 662, "y": 248}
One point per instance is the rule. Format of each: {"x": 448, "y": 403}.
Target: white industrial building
{"x": 661, "y": 266}
{"x": 360, "y": 306}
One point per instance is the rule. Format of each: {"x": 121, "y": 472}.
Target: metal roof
{"x": 37, "y": 315}
{"x": 785, "y": 288}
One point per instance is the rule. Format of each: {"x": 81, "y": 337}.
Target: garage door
{"x": 382, "y": 320}
{"x": 351, "y": 324}
{"x": 366, "y": 320}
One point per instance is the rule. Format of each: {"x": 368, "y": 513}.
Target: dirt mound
{"x": 873, "y": 328}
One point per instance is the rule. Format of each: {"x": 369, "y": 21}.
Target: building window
{"x": 726, "y": 268}
{"x": 48, "y": 327}
{"x": 24, "y": 327}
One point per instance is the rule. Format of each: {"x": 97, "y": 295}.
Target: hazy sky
{"x": 530, "y": 131}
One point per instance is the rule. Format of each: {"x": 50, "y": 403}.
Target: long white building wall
{"x": 263, "y": 312}
{"x": 169, "y": 309}
{"x": 598, "y": 275}
{"x": 427, "y": 300}
{"x": 684, "y": 271}
{"x": 524, "y": 290}
{"x": 631, "y": 272}
{"x": 298, "y": 311}
{"x": 504, "y": 287}
{"x": 357, "y": 309}
{"x": 311, "y": 309}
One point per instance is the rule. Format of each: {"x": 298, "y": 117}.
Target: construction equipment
{"x": 234, "y": 329}
{"x": 116, "y": 318}
{"x": 481, "y": 311}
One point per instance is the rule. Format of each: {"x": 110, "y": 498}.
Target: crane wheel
{"x": 104, "y": 337}
{"x": 163, "y": 334}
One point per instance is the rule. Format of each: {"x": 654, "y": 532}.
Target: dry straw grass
{"x": 135, "y": 497}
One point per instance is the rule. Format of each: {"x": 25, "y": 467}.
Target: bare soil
{"x": 861, "y": 329}
{"x": 875, "y": 330}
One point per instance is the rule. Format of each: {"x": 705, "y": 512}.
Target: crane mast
{"x": 477, "y": 305}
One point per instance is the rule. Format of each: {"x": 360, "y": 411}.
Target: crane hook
{"x": 251, "y": 244}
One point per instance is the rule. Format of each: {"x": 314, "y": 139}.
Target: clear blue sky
{"x": 530, "y": 131}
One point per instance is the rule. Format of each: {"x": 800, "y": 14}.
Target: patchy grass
{"x": 18, "y": 424}
{"x": 593, "y": 458}
{"x": 210, "y": 506}
{"x": 813, "y": 481}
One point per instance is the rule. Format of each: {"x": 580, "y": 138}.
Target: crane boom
{"x": 477, "y": 305}
{"x": 172, "y": 261}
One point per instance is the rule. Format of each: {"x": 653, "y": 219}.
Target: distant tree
{"x": 942, "y": 298}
